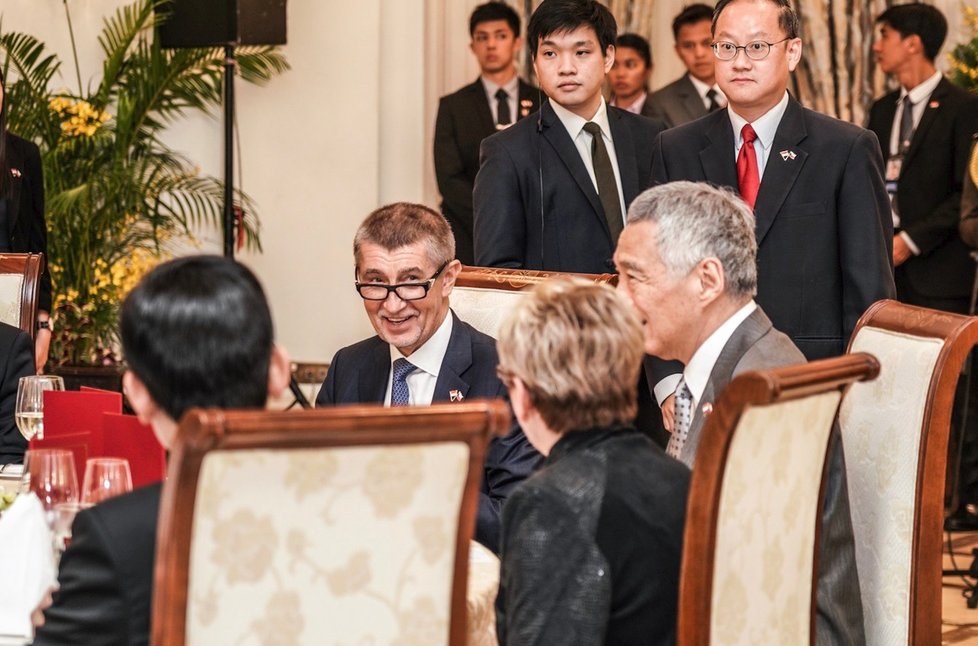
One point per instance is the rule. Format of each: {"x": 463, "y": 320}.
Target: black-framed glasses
{"x": 756, "y": 50}
{"x": 404, "y": 291}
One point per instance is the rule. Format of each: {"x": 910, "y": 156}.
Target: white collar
{"x": 431, "y": 354}
{"x": 765, "y": 126}
{"x": 512, "y": 87}
{"x": 635, "y": 107}
{"x": 698, "y": 370}
{"x": 702, "y": 88}
{"x": 574, "y": 123}
{"x": 922, "y": 91}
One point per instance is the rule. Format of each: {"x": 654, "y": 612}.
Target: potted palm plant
{"x": 118, "y": 198}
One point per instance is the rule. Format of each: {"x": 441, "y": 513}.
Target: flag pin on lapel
{"x": 934, "y": 104}
{"x": 707, "y": 409}
{"x": 525, "y": 106}
{"x": 788, "y": 154}
{"x": 455, "y": 395}
{"x": 15, "y": 172}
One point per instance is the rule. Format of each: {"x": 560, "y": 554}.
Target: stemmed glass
{"x": 29, "y": 413}
{"x": 105, "y": 478}
{"x": 50, "y": 475}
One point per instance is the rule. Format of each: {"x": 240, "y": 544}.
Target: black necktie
{"x": 906, "y": 125}
{"x": 502, "y": 108}
{"x": 712, "y": 96}
{"x": 605, "y": 176}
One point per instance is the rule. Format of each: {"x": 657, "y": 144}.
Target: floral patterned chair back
{"x": 19, "y": 283}
{"x": 752, "y": 520}
{"x": 349, "y": 525}
{"x": 483, "y": 296}
{"x": 895, "y": 436}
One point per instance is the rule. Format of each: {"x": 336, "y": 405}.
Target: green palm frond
{"x": 28, "y": 70}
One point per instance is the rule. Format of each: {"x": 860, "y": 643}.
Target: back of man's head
{"x": 401, "y": 224}
{"x": 197, "y": 331}
{"x": 694, "y": 221}
{"x": 562, "y": 16}
{"x": 690, "y": 15}
{"x": 921, "y": 20}
{"x": 491, "y": 12}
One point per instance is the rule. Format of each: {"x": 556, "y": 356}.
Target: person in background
{"x": 196, "y": 332}
{"x": 629, "y": 76}
{"x": 592, "y": 543}
{"x": 22, "y": 225}
{"x": 696, "y": 93}
{"x": 496, "y": 100}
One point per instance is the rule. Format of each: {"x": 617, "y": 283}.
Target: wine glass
{"x": 29, "y": 413}
{"x": 50, "y": 475}
{"x": 105, "y": 478}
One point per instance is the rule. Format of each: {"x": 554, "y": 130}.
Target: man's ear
{"x": 712, "y": 281}
{"x": 609, "y": 58}
{"x": 450, "y": 272}
{"x": 139, "y": 398}
{"x": 279, "y": 371}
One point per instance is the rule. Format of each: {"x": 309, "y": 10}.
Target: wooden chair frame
{"x": 747, "y": 390}
{"x": 960, "y": 334}
{"x": 203, "y": 431}
{"x": 28, "y": 264}
{"x": 515, "y": 280}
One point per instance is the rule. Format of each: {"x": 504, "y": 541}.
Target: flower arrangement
{"x": 964, "y": 57}
{"x": 118, "y": 200}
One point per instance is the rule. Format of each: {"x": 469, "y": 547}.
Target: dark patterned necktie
{"x": 605, "y": 176}
{"x": 906, "y": 125}
{"x": 503, "y": 117}
{"x": 712, "y": 96}
{"x": 683, "y": 420}
{"x": 400, "y": 395}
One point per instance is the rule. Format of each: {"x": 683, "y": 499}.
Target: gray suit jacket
{"x": 676, "y": 103}
{"x": 757, "y": 345}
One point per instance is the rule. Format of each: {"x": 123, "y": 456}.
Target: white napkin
{"x": 26, "y": 564}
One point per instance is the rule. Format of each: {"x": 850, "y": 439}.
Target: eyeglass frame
{"x": 425, "y": 285}
{"x": 737, "y": 48}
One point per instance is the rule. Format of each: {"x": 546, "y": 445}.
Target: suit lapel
{"x": 927, "y": 119}
{"x": 625, "y": 153}
{"x": 884, "y": 124}
{"x": 458, "y": 359}
{"x": 16, "y": 183}
{"x": 780, "y": 172}
{"x": 744, "y": 337}
{"x": 690, "y": 100}
{"x": 479, "y": 105}
{"x": 717, "y": 156}
{"x": 556, "y": 134}
{"x": 374, "y": 374}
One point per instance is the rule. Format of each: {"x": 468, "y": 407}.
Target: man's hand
{"x": 669, "y": 412}
{"x": 901, "y": 252}
{"x": 37, "y": 616}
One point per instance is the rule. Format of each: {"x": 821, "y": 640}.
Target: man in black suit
{"x": 17, "y": 360}
{"x": 549, "y": 193}
{"x": 925, "y": 129}
{"x": 493, "y": 102}
{"x": 824, "y": 230}
{"x": 695, "y": 93}
{"x": 406, "y": 269}
{"x": 175, "y": 326}
{"x": 687, "y": 264}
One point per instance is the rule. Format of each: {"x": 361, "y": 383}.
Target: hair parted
{"x": 401, "y": 224}
{"x": 639, "y": 44}
{"x": 690, "y": 15}
{"x": 787, "y": 17}
{"x": 563, "y": 334}
{"x": 492, "y": 11}
{"x": 918, "y": 19}
{"x": 562, "y": 16}
{"x": 694, "y": 221}
{"x": 197, "y": 331}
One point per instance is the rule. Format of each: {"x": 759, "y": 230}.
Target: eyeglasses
{"x": 756, "y": 50}
{"x": 404, "y": 291}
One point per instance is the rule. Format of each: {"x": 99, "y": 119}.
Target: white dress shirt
{"x": 703, "y": 89}
{"x": 582, "y": 140}
{"x": 697, "y": 371}
{"x": 765, "y": 127}
{"x": 635, "y": 107}
{"x": 512, "y": 89}
{"x": 428, "y": 359}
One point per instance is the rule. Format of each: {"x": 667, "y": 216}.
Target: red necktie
{"x": 747, "y": 176}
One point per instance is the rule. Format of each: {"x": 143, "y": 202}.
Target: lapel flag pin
{"x": 455, "y": 395}
{"x": 707, "y": 408}
{"x": 525, "y": 106}
{"x": 15, "y": 172}
{"x": 787, "y": 154}
{"x": 934, "y": 104}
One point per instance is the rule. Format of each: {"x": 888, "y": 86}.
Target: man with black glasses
{"x": 405, "y": 271}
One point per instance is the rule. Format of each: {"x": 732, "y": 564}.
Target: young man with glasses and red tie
{"x": 405, "y": 272}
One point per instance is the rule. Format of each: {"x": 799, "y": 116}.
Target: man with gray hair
{"x": 687, "y": 260}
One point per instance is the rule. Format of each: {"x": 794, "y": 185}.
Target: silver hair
{"x": 695, "y": 221}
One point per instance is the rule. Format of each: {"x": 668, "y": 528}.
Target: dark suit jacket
{"x": 969, "y": 200}
{"x": 756, "y": 345}
{"x": 16, "y": 361}
{"x": 464, "y": 120}
{"x": 533, "y": 169}
{"x": 106, "y": 575}
{"x": 676, "y": 103}
{"x": 26, "y": 228}
{"x": 824, "y": 229}
{"x": 929, "y": 192}
{"x": 359, "y": 373}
